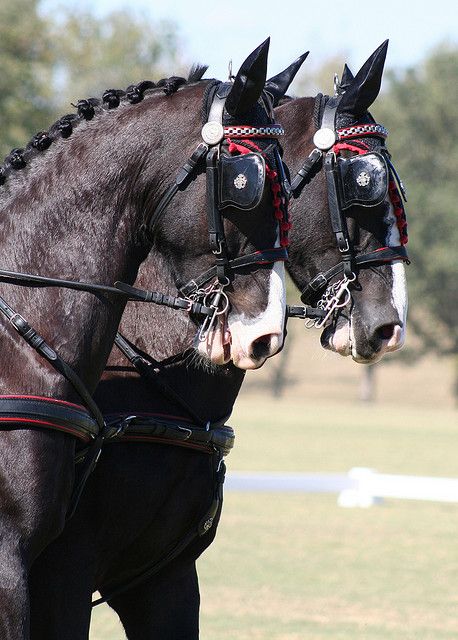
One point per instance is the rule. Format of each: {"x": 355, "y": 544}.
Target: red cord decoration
{"x": 393, "y": 191}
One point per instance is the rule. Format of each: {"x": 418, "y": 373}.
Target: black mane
{"x": 86, "y": 109}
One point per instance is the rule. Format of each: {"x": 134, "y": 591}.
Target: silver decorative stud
{"x": 324, "y": 139}
{"x": 240, "y": 181}
{"x": 208, "y": 524}
{"x": 212, "y": 132}
{"x": 336, "y": 85}
{"x": 363, "y": 179}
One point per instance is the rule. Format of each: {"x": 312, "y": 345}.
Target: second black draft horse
{"x": 148, "y": 494}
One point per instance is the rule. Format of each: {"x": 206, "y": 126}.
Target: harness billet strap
{"x": 146, "y": 428}
{"x": 19, "y": 410}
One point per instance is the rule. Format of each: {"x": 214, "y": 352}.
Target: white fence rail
{"x": 360, "y": 487}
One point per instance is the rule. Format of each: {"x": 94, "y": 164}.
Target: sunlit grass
{"x": 296, "y": 566}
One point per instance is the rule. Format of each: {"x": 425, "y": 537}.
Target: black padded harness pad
{"x": 17, "y": 411}
{"x": 241, "y": 180}
{"x": 363, "y": 180}
{"x": 146, "y": 429}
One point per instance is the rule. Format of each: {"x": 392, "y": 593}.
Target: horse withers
{"x": 79, "y": 202}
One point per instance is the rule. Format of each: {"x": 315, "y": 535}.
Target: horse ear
{"x": 347, "y": 78}
{"x": 249, "y": 81}
{"x": 279, "y": 84}
{"x": 365, "y": 86}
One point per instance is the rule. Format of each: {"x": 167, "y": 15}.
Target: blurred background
{"x": 289, "y": 566}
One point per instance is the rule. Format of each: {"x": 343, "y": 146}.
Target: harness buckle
{"x": 342, "y": 243}
{"x": 120, "y": 428}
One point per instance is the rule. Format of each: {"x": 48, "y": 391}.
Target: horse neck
{"x": 74, "y": 213}
{"x": 165, "y": 335}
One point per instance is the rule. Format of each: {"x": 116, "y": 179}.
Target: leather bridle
{"x": 86, "y": 421}
{"x": 209, "y": 156}
{"x": 326, "y": 139}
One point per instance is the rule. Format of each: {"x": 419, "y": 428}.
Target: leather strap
{"x": 155, "y": 429}
{"x": 305, "y": 173}
{"x": 20, "y": 411}
{"x": 190, "y": 169}
{"x": 173, "y": 302}
{"x": 257, "y": 257}
{"x": 37, "y": 342}
{"x": 380, "y": 256}
{"x": 329, "y": 115}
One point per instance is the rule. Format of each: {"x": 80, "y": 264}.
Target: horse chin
{"x": 340, "y": 337}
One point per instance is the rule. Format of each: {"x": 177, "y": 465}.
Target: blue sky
{"x": 213, "y": 32}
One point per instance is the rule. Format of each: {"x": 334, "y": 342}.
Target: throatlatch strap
{"x": 18, "y": 412}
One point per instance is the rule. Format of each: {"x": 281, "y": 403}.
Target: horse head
{"x": 347, "y": 252}
{"x": 229, "y": 238}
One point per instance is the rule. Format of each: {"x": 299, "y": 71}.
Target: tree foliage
{"x": 26, "y": 55}
{"x": 420, "y": 108}
{"x": 93, "y": 54}
{"x": 49, "y": 61}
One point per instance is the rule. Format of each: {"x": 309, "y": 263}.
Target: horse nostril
{"x": 261, "y": 347}
{"x": 386, "y": 332}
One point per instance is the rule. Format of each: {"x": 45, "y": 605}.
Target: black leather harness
{"x": 347, "y": 180}
{"x": 219, "y": 437}
{"x": 86, "y": 422}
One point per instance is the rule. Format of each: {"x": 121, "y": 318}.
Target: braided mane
{"x": 87, "y": 109}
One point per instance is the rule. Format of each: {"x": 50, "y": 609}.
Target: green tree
{"x": 420, "y": 107}
{"x": 26, "y": 72}
{"x": 50, "y": 60}
{"x": 93, "y": 54}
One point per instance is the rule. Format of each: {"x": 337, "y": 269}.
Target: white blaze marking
{"x": 245, "y": 331}
{"x": 393, "y": 238}
{"x": 399, "y": 294}
{"x": 399, "y": 290}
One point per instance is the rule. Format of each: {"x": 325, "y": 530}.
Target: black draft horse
{"x": 79, "y": 202}
{"x": 144, "y": 499}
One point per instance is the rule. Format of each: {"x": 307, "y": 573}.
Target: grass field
{"x": 290, "y": 567}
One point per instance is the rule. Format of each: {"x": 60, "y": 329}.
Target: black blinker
{"x": 363, "y": 180}
{"x": 241, "y": 180}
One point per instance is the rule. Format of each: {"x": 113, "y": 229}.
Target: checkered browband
{"x": 242, "y": 131}
{"x": 358, "y": 130}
